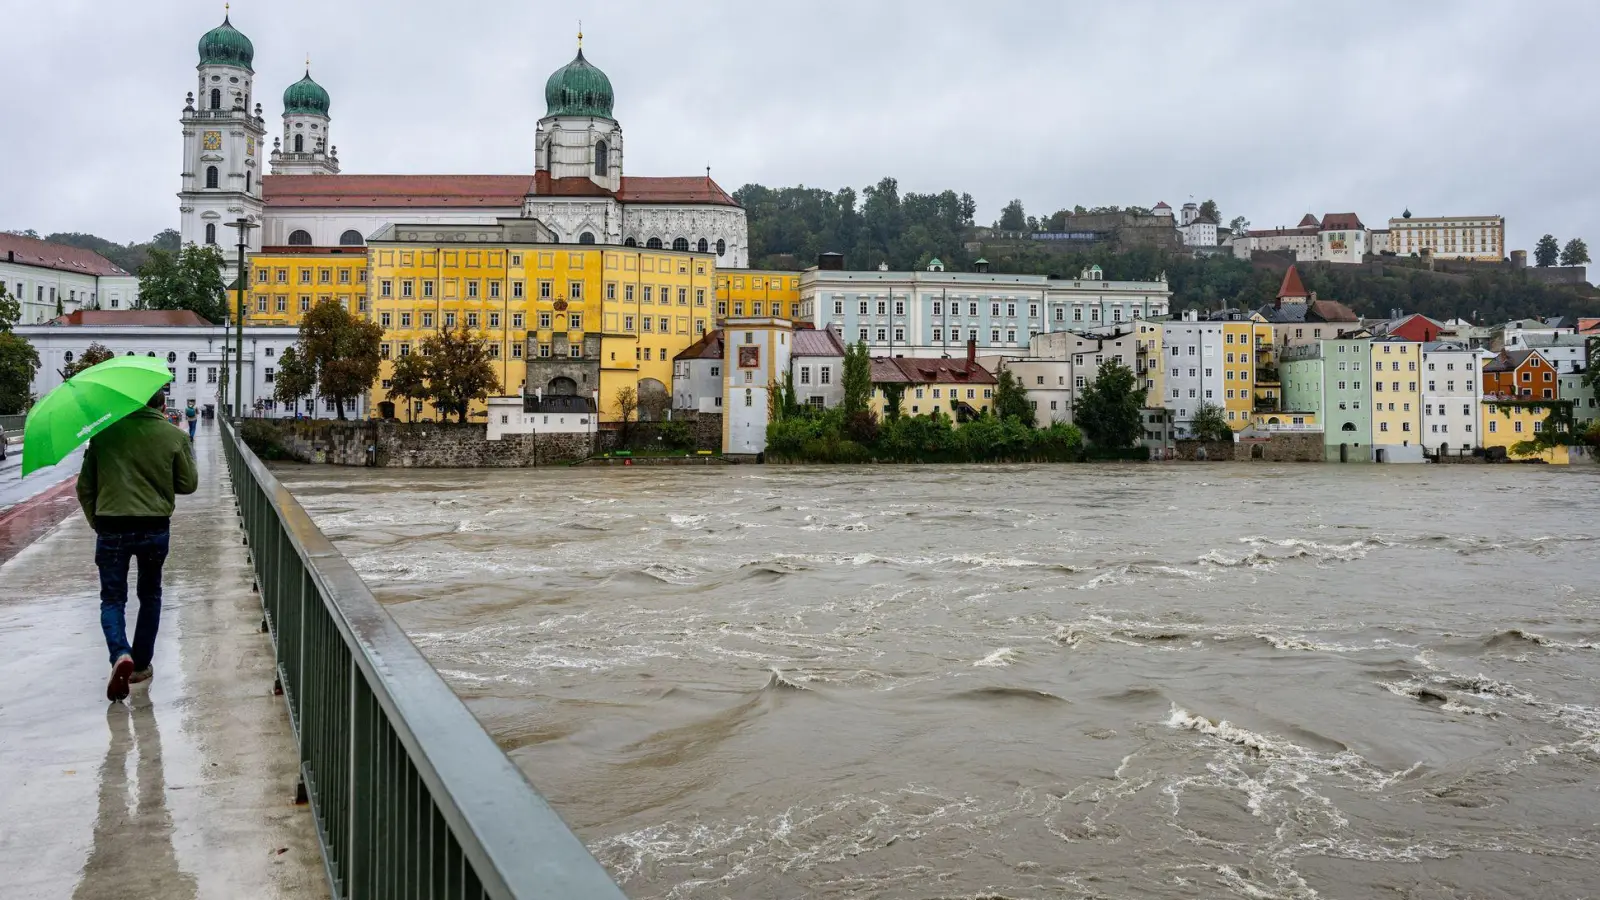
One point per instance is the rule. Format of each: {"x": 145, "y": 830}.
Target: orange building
{"x": 1520, "y": 374}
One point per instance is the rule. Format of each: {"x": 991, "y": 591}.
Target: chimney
{"x": 832, "y": 262}
{"x": 972, "y": 351}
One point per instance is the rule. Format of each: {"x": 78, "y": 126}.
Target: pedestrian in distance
{"x": 131, "y": 473}
{"x": 192, "y": 416}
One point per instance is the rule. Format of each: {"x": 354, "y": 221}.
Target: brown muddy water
{"x": 1022, "y": 681}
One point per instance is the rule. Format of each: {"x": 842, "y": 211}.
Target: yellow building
{"x": 1245, "y": 346}
{"x": 958, "y": 388}
{"x": 625, "y": 311}
{"x": 1147, "y": 361}
{"x": 1508, "y": 423}
{"x": 1396, "y": 399}
{"x": 286, "y": 282}
{"x": 758, "y": 293}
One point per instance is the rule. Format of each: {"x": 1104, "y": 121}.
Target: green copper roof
{"x": 305, "y": 96}
{"x": 227, "y": 46}
{"x": 578, "y": 89}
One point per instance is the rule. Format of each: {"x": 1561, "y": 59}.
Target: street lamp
{"x": 241, "y": 280}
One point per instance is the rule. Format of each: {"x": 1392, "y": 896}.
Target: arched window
{"x": 211, "y": 176}
{"x": 653, "y": 243}
{"x": 680, "y": 244}
{"x": 351, "y": 238}
{"x": 630, "y": 242}
{"x": 1348, "y": 426}
{"x": 151, "y": 354}
{"x": 702, "y": 245}
{"x": 299, "y": 238}
{"x": 722, "y": 246}
{"x": 602, "y": 159}
{"x": 211, "y": 232}
{"x": 299, "y": 143}
{"x": 586, "y": 238}
{"x": 172, "y": 357}
{"x": 216, "y": 98}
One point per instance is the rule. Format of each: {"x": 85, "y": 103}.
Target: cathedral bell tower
{"x": 578, "y": 138}
{"x": 222, "y": 147}
{"x": 304, "y": 147}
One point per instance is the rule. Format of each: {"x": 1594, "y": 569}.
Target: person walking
{"x": 192, "y": 416}
{"x": 131, "y": 473}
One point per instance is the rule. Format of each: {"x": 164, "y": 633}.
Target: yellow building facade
{"x": 286, "y": 282}
{"x": 1396, "y": 393}
{"x": 1244, "y": 344}
{"x": 1508, "y": 424}
{"x": 1147, "y": 361}
{"x": 535, "y": 301}
{"x": 753, "y": 293}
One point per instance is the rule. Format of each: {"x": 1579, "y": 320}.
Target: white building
{"x": 1047, "y": 381}
{"x": 1452, "y": 394}
{"x": 756, "y": 352}
{"x": 53, "y": 279}
{"x": 697, "y": 375}
{"x": 196, "y": 352}
{"x": 1480, "y": 238}
{"x": 1336, "y": 237}
{"x": 538, "y": 414}
{"x": 934, "y": 313}
{"x": 1197, "y": 230}
{"x": 1566, "y": 350}
{"x": 817, "y": 367}
{"x": 1192, "y": 370}
{"x": 577, "y": 191}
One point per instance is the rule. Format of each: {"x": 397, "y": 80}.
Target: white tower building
{"x": 304, "y": 148}
{"x": 221, "y": 147}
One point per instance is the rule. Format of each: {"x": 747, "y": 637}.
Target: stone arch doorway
{"x": 1344, "y": 453}
{"x": 385, "y": 409}
{"x": 653, "y": 400}
{"x": 1444, "y": 449}
{"x": 561, "y": 386}
{"x": 1257, "y": 452}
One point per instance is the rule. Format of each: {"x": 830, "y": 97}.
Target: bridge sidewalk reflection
{"x": 185, "y": 791}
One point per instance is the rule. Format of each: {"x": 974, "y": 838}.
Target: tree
{"x": 1591, "y": 370}
{"x": 1239, "y": 225}
{"x": 1575, "y": 253}
{"x": 1208, "y": 211}
{"x": 459, "y": 371}
{"x": 95, "y": 354}
{"x": 627, "y": 400}
{"x": 191, "y": 279}
{"x": 1012, "y": 218}
{"x": 893, "y": 396}
{"x": 1546, "y": 252}
{"x": 343, "y": 350}
{"x": 857, "y": 381}
{"x": 1210, "y": 424}
{"x": 10, "y": 310}
{"x": 788, "y": 406}
{"x": 408, "y": 382}
{"x": 1011, "y": 399}
{"x": 18, "y": 362}
{"x": 296, "y": 377}
{"x": 1109, "y": 410}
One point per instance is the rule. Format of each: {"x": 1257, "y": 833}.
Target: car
{"x": 3, "y": 450}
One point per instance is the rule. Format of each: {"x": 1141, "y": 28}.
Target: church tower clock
{"x": 222, "y": 146}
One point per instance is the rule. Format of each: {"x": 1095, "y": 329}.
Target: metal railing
{"x": 12, "y": 425}
{"x": 410, "y": 796}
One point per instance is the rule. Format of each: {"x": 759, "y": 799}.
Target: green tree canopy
{"x": 857, "y": 380}
{"x": 10, "y": 310}
{"x": 1575, "y": 253}
{"x": 1547, "y": 251}
{"x": 1210, "y": 423}
{"x": 459, "y": 371}
{"x": 93, "y": 355}
{"x": 18, "y": 362}
{"x": 343, "y": 349}
{"x": 1012, "y": 217}
{"x": 408, "y": 382}
{"x": 1209, "y": 210}
{"x": 1011, "y": 399}
{"x": 296, "y": 377}
{"x": 190, "y": 279}
{"x": 1109, "y": 409}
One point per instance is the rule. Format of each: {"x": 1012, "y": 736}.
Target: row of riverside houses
{"x": 1401, "y": 389}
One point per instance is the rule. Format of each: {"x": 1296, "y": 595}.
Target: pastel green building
{"x": 1329, "y": 378}
{"x": 1585, "y": 405}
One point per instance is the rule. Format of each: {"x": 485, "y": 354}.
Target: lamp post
{"x": 241, "y": 280}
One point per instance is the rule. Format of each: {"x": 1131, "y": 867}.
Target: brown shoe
{"x": 140, "y": 676}
{"x": 121, "y": 671}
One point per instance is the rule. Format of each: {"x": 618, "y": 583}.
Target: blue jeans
{"x": 112, "y": 554}
{"x": 192, "y": 423}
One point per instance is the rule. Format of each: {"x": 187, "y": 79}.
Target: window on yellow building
{"x": 261, "y": 304}
{"x": 261, "y": 276}
{"x": 700, "y": 297}
{"x": 283, "y": 304}
{"x": 449, "y": 320}
{"x": 406, "y": 288}
{"x": 405, "y": 349}
{"x": 363, "y": 303}
{"x": 516, "y": 290}
{"x": 405, "y": 320}
{"x": 283, "y": 276}
{"x": 305, "y": 303}
{"x": 344, "y": 276}
{"x": 494, "y": 290}
{"x": 516, "y": 320}
{"x": 494, "y": 320}
{"x": 575, "y": 290}
{"x": 383, "y": 319}
{"x": 386, "y": 288}
{"x": 516, "y": 350}
{"x": 383, "y": 351}
{"x": 305, "y": 276}
{"x": 472, "y": 289}
{"x": 611, "y": 290}
{"x": 324, "y": 276}
{"x": 472, "y": 320}
{"x": 494, "y": 351}
{"x": 427, "y": 319}
{"x": 738, "y": 308}
{"x": 545, "y": 289}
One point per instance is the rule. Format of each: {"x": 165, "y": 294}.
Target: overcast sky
{"x": 1273, "y": 108}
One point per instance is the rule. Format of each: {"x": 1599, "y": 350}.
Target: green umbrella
{"x": 87, "y": 404}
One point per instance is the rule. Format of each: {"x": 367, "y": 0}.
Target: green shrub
{"x": 676, "y": 435}
{"x": 263, "y": 439}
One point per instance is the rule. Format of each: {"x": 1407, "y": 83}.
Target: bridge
{"x": 293, "y": 744}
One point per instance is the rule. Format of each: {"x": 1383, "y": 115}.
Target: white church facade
{"x": 298, "y": 195}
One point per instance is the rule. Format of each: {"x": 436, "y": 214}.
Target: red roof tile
{"x": 693, "y": 189}
{"x": 132, "y": 317}
{"x": 1342, "y": 222}
{"x": 708, "y": 347}
{"x": 576, "y": 186}
{"x": 395, "y": 190}
{"x": 1309, "y": 221}
{"x": 900, "y": 370}
{"x": 1330, "y": 311}
{"x": 29, "y": 251}
{"x": 1291, "y": 285}
{"x": 1283, "y": 232}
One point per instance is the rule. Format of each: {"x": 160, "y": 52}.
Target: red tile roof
{"x": 693, "y": 189}
{"x": 708, "y": 347}
{"x": 576, "y": 186}
{"x": 1309, "y": 221}
{"x": 1283, "y": 232}
{"x": 132, "y": 317}
{"x": 1342, "y": 222}
{"x": 1330, "y": 311}
{"x": 900, "y": 370}
{"x": 1292, "y": 287}
{"x": 29, "y": 251}
{"x": 395, "y": 190}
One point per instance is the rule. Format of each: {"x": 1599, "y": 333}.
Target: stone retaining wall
{"x": 424, "y": 446}
{"x": 1282, "y": 447}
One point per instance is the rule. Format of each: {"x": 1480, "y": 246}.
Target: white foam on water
{"x": 683, "y": 521}
{"x": 1001, "y": 658}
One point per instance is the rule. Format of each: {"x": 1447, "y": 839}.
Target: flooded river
{"x": 1019, "y": 681}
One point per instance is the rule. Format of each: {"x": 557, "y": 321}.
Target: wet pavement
{"x": 185, "y": 791}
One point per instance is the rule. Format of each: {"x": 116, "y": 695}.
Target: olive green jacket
{"x": 133, "y": 468}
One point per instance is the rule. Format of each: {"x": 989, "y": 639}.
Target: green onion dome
{"x": 227, "y": 46}
{"x": 306, "y": 96}
{"x": 578, "y": 89}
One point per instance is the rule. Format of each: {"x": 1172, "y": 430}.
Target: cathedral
{"x": 296, "y": 194}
